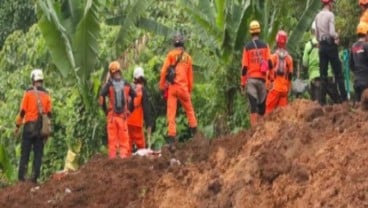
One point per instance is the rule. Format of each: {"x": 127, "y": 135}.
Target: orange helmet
{"x": 363, "y": 2}
{"x": 114, "y": 67}
{"x": 362, "y": 28}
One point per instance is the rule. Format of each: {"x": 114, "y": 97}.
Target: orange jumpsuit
{"x": 281, "y": 80}
{"x": 120, "y": 96}
{"x": 141, "y": 114}
{"x": 180, "y": 90}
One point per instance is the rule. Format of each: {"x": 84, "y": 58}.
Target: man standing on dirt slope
{"x": 280, "y": 76}
{"x": 177, "y": 79}
{"x": 328, "y": 50}
{"x": 30, "y": 116}
{"x": 359, "y": 60}
{"x": 255, "y": 64}
{"x": 142, "y": 111}
{"x": 121, "y": 97}
{"x": 364, "y": 6}
{"x": 311, "y": 62}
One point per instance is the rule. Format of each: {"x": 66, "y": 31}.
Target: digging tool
{"x": 345, "y": 58}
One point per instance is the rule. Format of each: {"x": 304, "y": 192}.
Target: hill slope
{"x": 301, "y": 156}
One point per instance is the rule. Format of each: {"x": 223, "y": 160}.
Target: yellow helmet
{"x": 114, "y": 67}
{"x": 362, "y": 28}
{"x": 254, "y": 27}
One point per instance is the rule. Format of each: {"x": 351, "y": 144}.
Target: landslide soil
{"x": 300, "y": 156}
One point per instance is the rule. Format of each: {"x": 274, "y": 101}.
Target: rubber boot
{"x": 193, "y": 131}
{"x": 253, "y": 119}
{"x": 170, "y": 143}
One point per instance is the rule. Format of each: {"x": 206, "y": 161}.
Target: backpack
{"x": 281, "y": 66}
{"x": 119, "y": 95}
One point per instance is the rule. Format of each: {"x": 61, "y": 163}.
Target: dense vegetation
{"x": 73, "y": 41}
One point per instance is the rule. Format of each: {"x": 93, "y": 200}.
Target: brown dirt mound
{"x": 300, "y": 156}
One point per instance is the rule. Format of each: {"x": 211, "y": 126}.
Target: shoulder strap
{"x": 39, "y": 105}
{"x": 179, "y": 58}
{"x": 257, "y": 51}
{"x": 313, "y": 46}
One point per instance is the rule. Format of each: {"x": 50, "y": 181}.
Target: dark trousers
{"x": 331, "y": 90}
{"x": 359, "y": 87}
{"x": 328, "y": 53}
{"x": 30, "y": 142}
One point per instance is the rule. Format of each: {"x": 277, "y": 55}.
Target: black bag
{"x": 170, "y": 76}
{"x": 33, "y": 128}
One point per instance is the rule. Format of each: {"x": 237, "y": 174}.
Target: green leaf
{"x": 242, "y": 28}
{"x": 5, "y": 164}
{"x": 304, "y": 23}
{"x": 56, "y": 38}
{"x": 85, "y": 44}
{"x": 154, "y": 27}
{"x": 130, "y": 19}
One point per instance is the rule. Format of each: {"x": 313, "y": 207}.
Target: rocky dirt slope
{"x": 300, "y": 156}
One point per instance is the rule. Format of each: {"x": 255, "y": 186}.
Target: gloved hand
{"x": 165, "y": 94}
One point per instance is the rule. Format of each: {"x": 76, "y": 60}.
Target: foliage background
{"x": 138, "y": 33}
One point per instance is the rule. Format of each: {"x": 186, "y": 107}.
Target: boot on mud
{"x": 193, "y": 131}
{"x": 170, "y": 144}
{"x": 253, "y": 119}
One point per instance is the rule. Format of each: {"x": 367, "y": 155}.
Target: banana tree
{"x": 71, "y": 30}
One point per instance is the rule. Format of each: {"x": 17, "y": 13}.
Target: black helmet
{"x": 178, "y": 39}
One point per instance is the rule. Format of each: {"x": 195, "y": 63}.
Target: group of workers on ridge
{"x": 266, "y": 79}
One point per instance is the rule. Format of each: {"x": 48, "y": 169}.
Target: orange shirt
{"x": 283, "y": 68}
{"x": 251, "y": 61}
{"x": 184, "y": 70}
{"x": 136, "y": 117}
{"x": 29, "y": 108}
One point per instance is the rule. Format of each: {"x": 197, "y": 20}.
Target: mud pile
{"x": 300, "y": 156}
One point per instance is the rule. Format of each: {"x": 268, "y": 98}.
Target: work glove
{"x": 165, "y": 94}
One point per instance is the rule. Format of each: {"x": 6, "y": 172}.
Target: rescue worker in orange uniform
{"x": 29, "y": 115}
{"x": 364, "y": 6}
{"x": 281, "y": 74}
{"x": 121, "y": 98}
{"x": 179, "y": 88}
{"x": 141, "y": 113}
{"x": 255, "y": 64}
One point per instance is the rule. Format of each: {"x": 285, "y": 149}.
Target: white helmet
{"x": 138, "y": 72}
{"x": 36, "y": 75}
